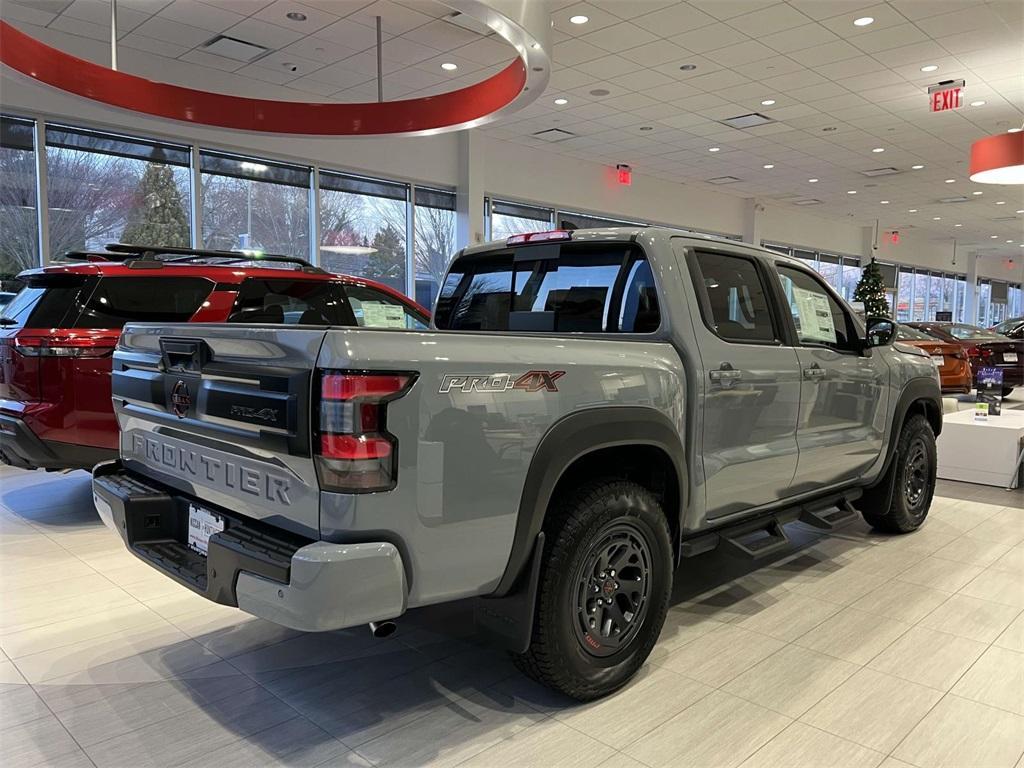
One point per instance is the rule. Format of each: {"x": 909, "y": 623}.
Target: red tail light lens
{"x": 979, "y": 352}
{"x": 63, "y": 346}
{"x": 356, "y": 453}
{"x": 539, "y": 237}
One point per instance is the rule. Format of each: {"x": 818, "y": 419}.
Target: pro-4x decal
{"x": 531, "y": 381}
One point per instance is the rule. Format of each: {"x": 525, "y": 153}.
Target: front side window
{"x": 375, "y": 309}
{"x": 818, "y": 317}
{"x": 291, "y": 302}
{"x": 734, "y": 299}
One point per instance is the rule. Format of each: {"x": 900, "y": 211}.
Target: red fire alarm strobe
{"x": 894, "y": 237}
{"x": 625, "y": 174}
{"x": 948, "y": 94}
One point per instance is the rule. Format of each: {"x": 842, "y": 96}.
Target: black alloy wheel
{"x": 916, "y": 474}
{"x": 612, "y": 590}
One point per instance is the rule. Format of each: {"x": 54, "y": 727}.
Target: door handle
{"x": 814, "y": 372}
{"x": 725, "y": 375}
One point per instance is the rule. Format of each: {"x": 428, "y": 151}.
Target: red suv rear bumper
{"x": 21, "y": 447}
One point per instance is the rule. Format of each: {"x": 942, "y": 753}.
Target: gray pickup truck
{"x": 588, "y": 410}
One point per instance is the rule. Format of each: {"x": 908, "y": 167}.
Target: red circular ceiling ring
{"x": 998, "y": 159}
{"x": 431, "y": 114}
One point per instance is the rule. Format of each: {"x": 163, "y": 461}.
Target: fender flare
{"x": 916, "y": 390}
{"x": 569, "y": 439}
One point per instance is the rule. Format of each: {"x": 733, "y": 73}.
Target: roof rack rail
{"x": 92, "y": 256}
{"x": 151, "y": 252}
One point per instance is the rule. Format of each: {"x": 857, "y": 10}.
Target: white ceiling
{"x": 329, "y": 56}
{"x": 822, "y": 71}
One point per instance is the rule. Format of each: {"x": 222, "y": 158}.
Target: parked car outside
{"x": 589, "y": 409}
{"x": 950, "y": 359}
{"x": 1012, "y": 327}
{"x": 58, "y": 334}
{"x": 984, "y": 348}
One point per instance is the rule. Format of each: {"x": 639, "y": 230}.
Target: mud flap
{"x": 507, "y": 622}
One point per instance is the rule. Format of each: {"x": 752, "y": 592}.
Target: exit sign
{"x": 947, "y": 95}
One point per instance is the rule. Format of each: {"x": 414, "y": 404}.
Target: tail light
{"x": 979, "y": 353}
{"x": 63, "y": 346}
{"x": 553, "y": 235}
{"x": 355, "y": 452}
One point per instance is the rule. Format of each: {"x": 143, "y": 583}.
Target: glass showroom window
{"x": 252, "y": 204}
{"x": 959, "y": 298}
{"x": 514, "y": 219}
{"x": 434, "y": 243}
{"x": 919, "y": 311}
{"x": 362, "y": 227}
{"x": 19, "y": 222}
{"x": 103, "y": 188}
{"x": 984, "y": 296}
{"x": 1014, "y": 301}
{"x": 904, "y": 295}
{"x": 998, "y": 299}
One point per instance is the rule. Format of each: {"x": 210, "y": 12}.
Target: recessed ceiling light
{"x": 958, "y": 225}
{"x": 1009, "y": 241}
{"x": 714, "y": 149}
{"x": 863, "y": 21}
{"x": 812, "y": 181}
{"x": 536, "y": 46}
{"x": 978, "y": 103}
{"x": 851, "y": 191}
{"x": 1021, "y": 211}
{"x": 912, "y": 210}
{"x": 767, "y": 102}
{"x": 296, "y": 16}
{"x": 883, "y": 202}
{"x": 449, "y": 67}
{"x": 993, "y": 237}
{"x": 979, "y": 192}
{"x": 950, "y": 181}
{"x": 768, "y": 166}
{"x": 1000, "y": 202}
{"x": 580, "y": 19}
{"x": 1014, "y": 130}
{"x": 560, "y": 102}
{"x": 688, "y": 67}
{"x": 929, "y": 67}
{"x": 878, "y": 149}
{"x": 916, "y": 167}
{"x": 936, "y": 218}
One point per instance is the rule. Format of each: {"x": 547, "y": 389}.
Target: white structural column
{"x": 469, "y": 194}
{"x": 971, "y": 295}
{"x": 753, "y": 214}
{"x": 868, "y": 244}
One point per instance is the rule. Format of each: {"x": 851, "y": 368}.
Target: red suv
{"x": 58, "y": 333}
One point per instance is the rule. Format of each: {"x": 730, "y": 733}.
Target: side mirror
{"x": 881, "y": 332}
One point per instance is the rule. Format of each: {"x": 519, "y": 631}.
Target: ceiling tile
{"x": 598, "y": 19}
{"x": 676, "y": 19}
{"x": 212, "y": 61}
{"x": 261, "y": 33}
{"x": 395, "y": 19}
{"x": 490, "y": 50}
{"x": 657, "y": 52}
{"x": 620, "y": 37}
{"x": 573, "y": 52}
{"x": 895, "y": 36}
{"x": 709, "y": 38}
{"x": 741, "y": 53}
{"x": 643, "y": 80}
{"x": 824, "y": 54}
{"x": 441, "y": 35}
{"x": 173, "y": 32}
{"x": 350, "y": 35}
{"x": 765, "y": 21}
{"x": 798, "y": 38}
{"x": 201, "y": 15}
{"x": 277, "y": 13}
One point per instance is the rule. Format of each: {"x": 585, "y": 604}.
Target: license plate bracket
{"x": 939, "y": 360}
{"x": 202, "y": 524}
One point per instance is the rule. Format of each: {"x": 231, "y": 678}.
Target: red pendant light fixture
{"x": 998, "y": 159}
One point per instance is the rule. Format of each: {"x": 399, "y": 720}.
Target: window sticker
{"x": 815, "y": 316}
{"x": 378, "y": 315}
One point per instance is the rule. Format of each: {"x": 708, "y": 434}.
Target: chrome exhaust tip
{"x": 381, "y": 629}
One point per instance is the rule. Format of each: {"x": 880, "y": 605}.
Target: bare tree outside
{"x": 256, "y": 215}
{"x": 19, "y": 242}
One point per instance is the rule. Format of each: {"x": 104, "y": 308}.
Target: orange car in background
{"x": 955, "y": 375}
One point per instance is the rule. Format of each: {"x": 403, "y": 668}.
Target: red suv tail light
{"x": 355, "y": 452}
{"x": 63, "y": 346}
{"x": 982, "y": 353}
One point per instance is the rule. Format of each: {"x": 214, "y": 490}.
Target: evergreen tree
{"x": 158, "y": 215}
{"x": 871, "y": 291}
{"x": 387, "y": 263}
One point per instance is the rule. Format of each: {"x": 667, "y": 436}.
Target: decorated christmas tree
{"x": 871, "y": 291}
{"x": 158, "y": 215}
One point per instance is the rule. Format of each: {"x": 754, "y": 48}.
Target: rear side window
{"x": 291, "y": 302}
{"x": 47, "y": 301}
{"x": 734, "y": 300}
{"x": 376, "y": 309}
{"x": 569, "y": 288}
{"x": 119, "y": 300}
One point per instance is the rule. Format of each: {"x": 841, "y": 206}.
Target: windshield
{"x": 1008, "y": 325}
{"x": 973, "y": 333}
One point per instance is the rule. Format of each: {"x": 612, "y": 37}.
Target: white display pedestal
{"x": 980, "y": 451}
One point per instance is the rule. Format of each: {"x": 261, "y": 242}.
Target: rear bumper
{"x": 309, "y": 586}
{"x": 23, "y": 448}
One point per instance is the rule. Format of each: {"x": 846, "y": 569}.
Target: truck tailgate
{"x": 221, "y": 412}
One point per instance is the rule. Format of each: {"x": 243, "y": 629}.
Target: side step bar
{"x": 765, "y": 536}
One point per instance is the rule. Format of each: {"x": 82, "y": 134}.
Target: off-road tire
{"x": 578, "y": 528}
{"x": 914, "y": 466}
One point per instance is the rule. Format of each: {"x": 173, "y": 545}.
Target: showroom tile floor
{"x": 853, "y": 650}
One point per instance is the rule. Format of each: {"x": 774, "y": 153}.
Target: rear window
{"x": 559, "y": 288}
{"x": 119, "y": 300}
{"x": 973, "y": 333}
{"x": 46, "y": 301}
{"x": 906, "y": 333}
{"x": 291, "y": 302}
